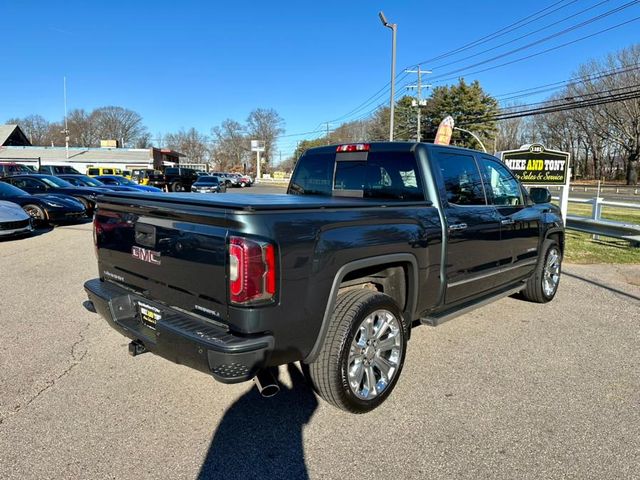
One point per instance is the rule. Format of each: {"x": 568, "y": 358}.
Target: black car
{"x": 87, "y": 181}
{"x": 209, "y": 184}
{"x": 45, "y": 207}
{"x": 37, "y": 183}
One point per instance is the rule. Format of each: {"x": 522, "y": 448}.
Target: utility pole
{"x": 419, "y": 102}
{"x": 328, "y": 124}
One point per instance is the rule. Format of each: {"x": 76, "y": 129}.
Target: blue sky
{"x": 184, "y": 64}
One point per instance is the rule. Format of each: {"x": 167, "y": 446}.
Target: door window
{"x": 504, "y": 189}
{"x": 462, "y": 179}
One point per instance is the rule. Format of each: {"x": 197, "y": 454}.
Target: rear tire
{"x": 543, "y": 284}
{"x": 177, "y": 187}
{"x": 363, "y": 352}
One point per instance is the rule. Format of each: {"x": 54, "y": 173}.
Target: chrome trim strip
{"x": 493, "y": 272}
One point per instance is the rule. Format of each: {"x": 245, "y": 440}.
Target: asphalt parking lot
{"x": 514, "y": 390}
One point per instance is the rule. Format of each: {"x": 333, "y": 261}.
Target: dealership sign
{"x": 534, "y": 164}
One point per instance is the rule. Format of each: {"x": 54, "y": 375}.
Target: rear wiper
{"x": 297, "y": 188}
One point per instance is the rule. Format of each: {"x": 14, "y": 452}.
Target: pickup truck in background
{"x": 370, "y": 241}
{"x": 173, "y": 179}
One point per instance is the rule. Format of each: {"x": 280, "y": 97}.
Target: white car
{"x": 14, "y": 220}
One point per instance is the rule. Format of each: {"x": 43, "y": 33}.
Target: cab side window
{"x": 93, "y": 171}
{"x": 503, "y": 188}
{"x": 462, "y": 179}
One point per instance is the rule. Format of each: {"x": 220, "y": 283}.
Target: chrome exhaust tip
{"x": 267, "y": 385}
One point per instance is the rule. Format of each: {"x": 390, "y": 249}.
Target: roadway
{"x": 514, "y": 390}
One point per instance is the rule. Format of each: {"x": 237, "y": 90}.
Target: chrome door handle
{"x": 507, "y": 221}
{"x": 457, "y": 226}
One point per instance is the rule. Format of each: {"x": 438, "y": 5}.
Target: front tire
{"x": 543, "y": 284}
{"x": 177, "y": 187}
{"x": 363, "y": 352}
{"x": 37, "y": 213}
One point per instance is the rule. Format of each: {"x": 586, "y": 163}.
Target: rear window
{"x": 388, "y": 175}
{"x": 208, "y": 180}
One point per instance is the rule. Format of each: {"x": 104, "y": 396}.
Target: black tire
{"x": 88, "y": 206}
{"x": 328, "y": 373}
{"x": 177, "y": 187}
{"x": 535, "y": 290}
{"x": 37, "y": 213}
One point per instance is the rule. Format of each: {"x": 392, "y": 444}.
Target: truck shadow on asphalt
{"x": 262, "y": 437}
{"x": 601, "y": 285}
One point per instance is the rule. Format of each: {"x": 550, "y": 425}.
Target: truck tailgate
{"x": 171, "y": 253}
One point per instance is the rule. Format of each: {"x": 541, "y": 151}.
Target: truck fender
{"x": 412, "y": 291}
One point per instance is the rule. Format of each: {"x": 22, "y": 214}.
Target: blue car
{"x": 110, "y": 180}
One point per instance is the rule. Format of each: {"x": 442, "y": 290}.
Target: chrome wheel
{"x": 35, "y": 212}
{"x": 551, "y": 274}
{"x": 375, "y": 354}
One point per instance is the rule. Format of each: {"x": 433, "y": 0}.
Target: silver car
{"x": 14, "y": 220}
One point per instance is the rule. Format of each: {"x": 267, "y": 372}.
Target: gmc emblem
{"x": 145, "y": 255}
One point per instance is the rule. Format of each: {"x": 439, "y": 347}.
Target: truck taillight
{"x": 252, "y": 270}
{"x": 96, "y": 232}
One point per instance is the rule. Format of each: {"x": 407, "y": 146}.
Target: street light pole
{"x": 473, "y": 135}
{"x": 394, "y": 29}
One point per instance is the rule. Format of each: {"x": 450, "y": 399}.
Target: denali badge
{"x": 145, "y": 255}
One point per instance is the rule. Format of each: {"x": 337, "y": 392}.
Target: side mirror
{"x": 540, "y": 195}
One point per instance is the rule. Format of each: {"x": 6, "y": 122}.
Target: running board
{"x": 436, "y": 320}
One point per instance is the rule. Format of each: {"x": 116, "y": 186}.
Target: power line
{"x": 544, "y": 39}
{"x": 567, "y": 105}
{"x": 518, "y": 24}
{"x": 545, "y": 51}
{"x": 525, "y": 35}
{"x": 556, "y": 85}
{"x": 503, "y": 31}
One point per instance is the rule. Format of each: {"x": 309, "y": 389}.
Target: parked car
{"x": 12, "y": 168}
{"x": 57, "y": 170}
{"x": 141, "y": 175}
{"x": 116, "y": 180}
{"x": 370, "y": 241}
{"x": 242, "y": 180}
{"x": 175, "y": 179}
{"x": 14, "y": 220}
{"x": 208, "y": 184}
{"x": 229, "y": 179}
{"x": 38, "y": 183}
{"x": 87, "y": 181}
{"x": 43, "y": 208}
{"x": 95, "y": 171}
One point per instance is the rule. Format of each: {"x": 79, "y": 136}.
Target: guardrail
{"x": 596, "y": 225}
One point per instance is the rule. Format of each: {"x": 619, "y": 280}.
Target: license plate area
{"x": 149, "y": 315}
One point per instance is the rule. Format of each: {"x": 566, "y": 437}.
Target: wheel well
{"x": 388, "y": 279}
{"x": 558, "y": 237}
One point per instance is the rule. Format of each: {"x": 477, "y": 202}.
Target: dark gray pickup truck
{"x": 369, "y": 241}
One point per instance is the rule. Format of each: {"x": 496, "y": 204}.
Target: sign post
{"x": 257, "y": 146}
{"x": 534, "y": 165}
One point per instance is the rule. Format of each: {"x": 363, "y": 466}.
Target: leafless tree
{"x": 191, "y": 143}
{"x": 83, "y": 128}
{"x": 118, "y": 123}
{"x": 35, "y": 127}
{"x": 265, "y": 124}
{"x": 231, "y": 148}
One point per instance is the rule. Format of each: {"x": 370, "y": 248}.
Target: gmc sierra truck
{"x": 369, "y": 241}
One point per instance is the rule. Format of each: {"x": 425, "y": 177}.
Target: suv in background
{"x": 175, "y": 179}
{"x": 58, "y": 170}
{"x": 11, "y": 168}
